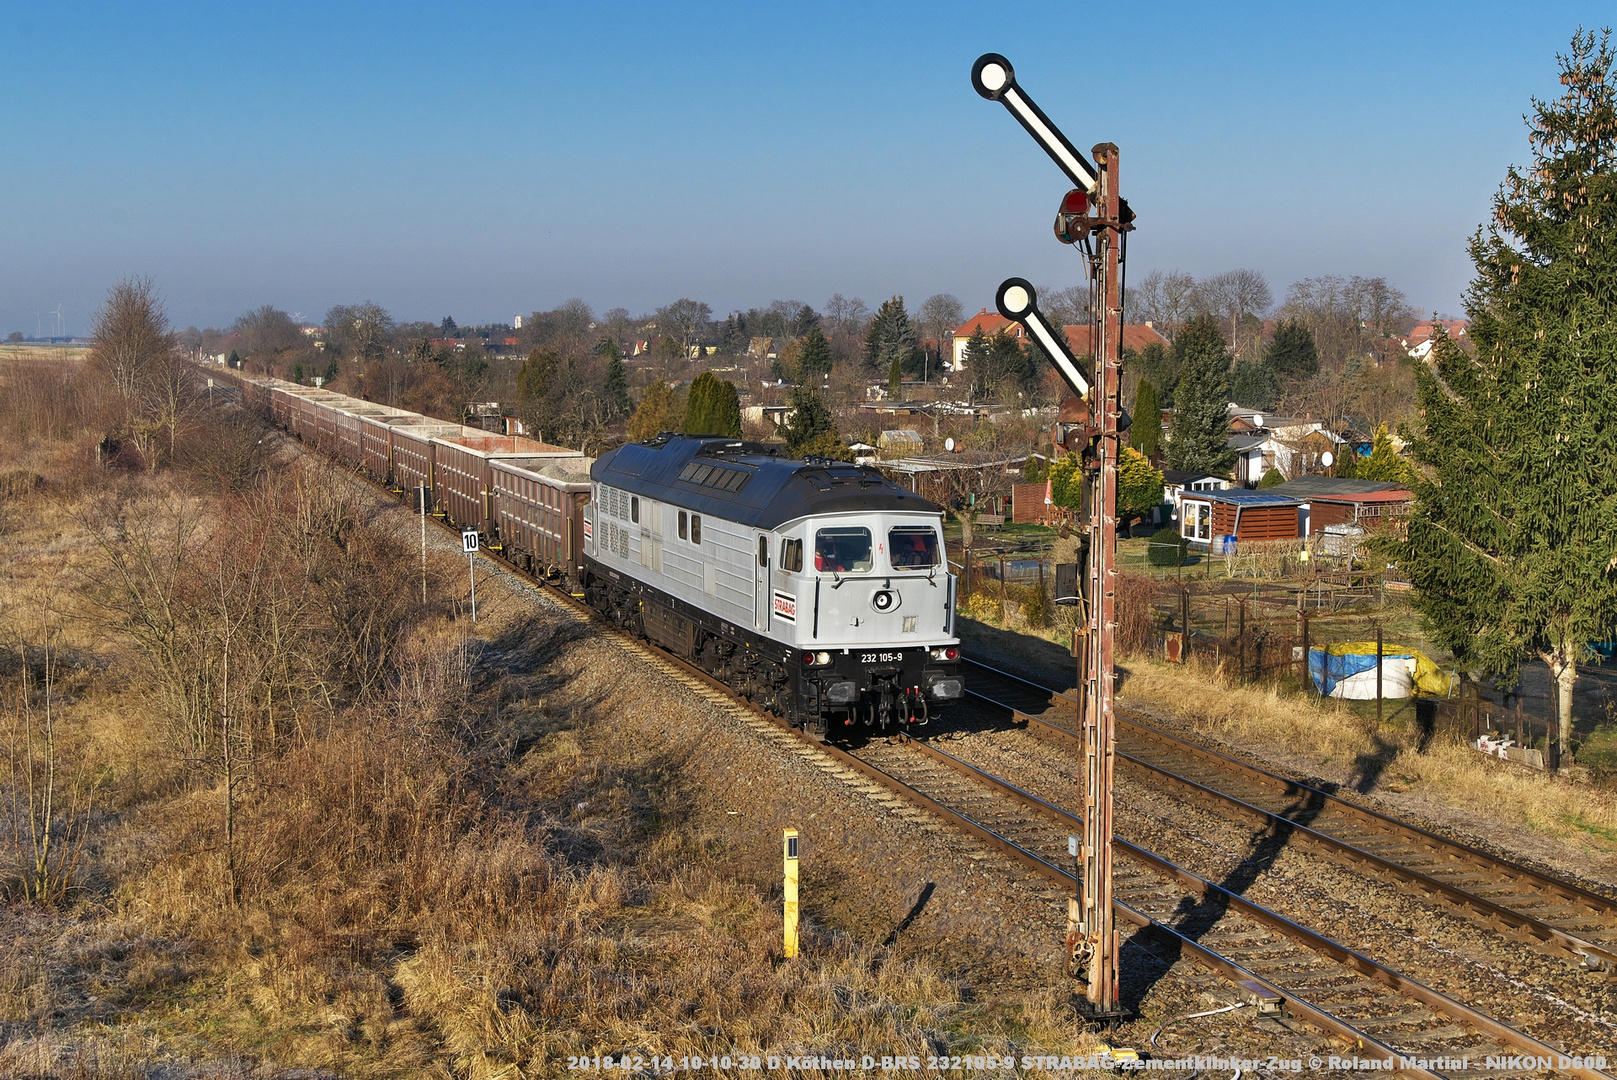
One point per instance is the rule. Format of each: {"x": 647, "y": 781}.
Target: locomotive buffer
{"x": 1093, "y": 217}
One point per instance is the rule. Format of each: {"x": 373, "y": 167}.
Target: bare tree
{"x": 1347, "y": 316}
{"x": 1164, "y": 299}
{"x": 132, "y": 340}
{"x": 267, "y": 330}
{"x": 1231, "y": 295}
{"x": 685, "y": 320}
{"x": 1066, "y": 307}
{"x": 361, "y": 330}
{"x": 47, "y": 799}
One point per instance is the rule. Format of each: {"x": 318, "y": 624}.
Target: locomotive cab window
{"x": 791, "y": 555}
{"x": 683, "y": 529}
{"x": 696, "y": 528}
{"x": 763, "y": 551}
{"x": 634, "y": 509}
{"x": 842, "y": 551}
{"x": 913, "y": 547}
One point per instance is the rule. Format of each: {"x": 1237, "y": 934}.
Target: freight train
{"x": 818, "y": 589}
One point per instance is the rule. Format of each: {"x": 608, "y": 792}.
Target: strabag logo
{"x": 785, "y": 606}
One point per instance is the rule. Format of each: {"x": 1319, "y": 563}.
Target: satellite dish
{"x": 1257, "y": 419}
{"x": 948, "y": 444}
{"x": 1327, "y": 459}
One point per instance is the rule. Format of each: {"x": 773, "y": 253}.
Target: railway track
{"x": 1271, "y": 959}
{"x": 1273, "y": 962}
{"x": 1557, "y": 914}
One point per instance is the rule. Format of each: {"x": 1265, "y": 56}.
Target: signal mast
{"x": 1096, "y": 219}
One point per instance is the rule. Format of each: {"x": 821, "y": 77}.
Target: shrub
{"x": 1031, "y": 602}
{"x": 1272, "y": 478}
{"x": 1167, "y": 548}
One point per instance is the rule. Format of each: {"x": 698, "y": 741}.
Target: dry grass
{"x": 416, "y": 895}
{"x": 1336, "y": 742}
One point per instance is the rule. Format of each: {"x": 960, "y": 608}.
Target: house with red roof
{"x": 1136, "y": 336}
{"x": 990, "y": 323}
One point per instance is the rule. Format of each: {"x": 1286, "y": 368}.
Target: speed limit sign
{"x": 468, "y": 541}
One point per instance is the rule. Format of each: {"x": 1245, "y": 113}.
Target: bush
{"x": 1031, "y": 602}
{"x": 1272, "y": 478}
{"x": 1167, "y": 548}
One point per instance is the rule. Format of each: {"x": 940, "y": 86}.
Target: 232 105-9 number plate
{"x": 880, "y": 657}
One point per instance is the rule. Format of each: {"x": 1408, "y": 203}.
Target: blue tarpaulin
{"x": 1347, "y": 670}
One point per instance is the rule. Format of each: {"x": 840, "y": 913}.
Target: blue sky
{"x": 484, "y": 160}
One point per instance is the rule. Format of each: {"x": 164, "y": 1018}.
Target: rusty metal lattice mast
{"x": 1092, "y": 934}
{"x": 1096, "y": 218}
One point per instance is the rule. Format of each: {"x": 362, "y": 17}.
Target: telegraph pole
{"x": 1094, "y": 217}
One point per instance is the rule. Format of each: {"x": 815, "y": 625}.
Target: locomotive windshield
{"x": 842, "y": 551}
{"x": 914, "y": 547}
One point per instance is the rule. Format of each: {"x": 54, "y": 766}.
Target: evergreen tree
{"x": 891, "y": 336}
{"x": 1157, "y": 366}
{"x": 1145, "y": 433}
{"x": 233, "y": 361}
{"x": 978, "y": 349}
{"x": 895, "y": 380}
{"x": 1139, "y": 487}
{"x": 1252, "y": 386}
{"x": 1346, "y": 465}
{"x": 713, "y": 407}
{"x": 1292, "y": 354}
{"x": 810, "y": 429}
{"x": 537, "y": 375}
{"x": 616, "y": 387}
{"x": 1384, "y": 463}
{"x": 1273, "y": 478}
{"x": 814, "y": 359}
{"x": 1201, "y": 423}
{"x": 1510, "y": 544}
{"x": 656, "y": 413}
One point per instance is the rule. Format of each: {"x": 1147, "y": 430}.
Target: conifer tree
{"x": 1145, "y": 434}
{"x": 810, "y": 429}
{"x": 1252, "y": 386}
{"x": 1384, "y": 463}
{"x": 656, "y": 413}
{"x": 713, "y": 407}
{"x": 1201, "y": 423}
{"x": 1346, "y": 463}
{"x": 1139, "y": 487}
{"x": 895, "y": 379}
{"x": 891, "y": 336}
{"x": 814, "y": 360}
{"x": 616, "y": 386}
{"x": 1292, "y": 354}
{"x": 1512, "y": 540}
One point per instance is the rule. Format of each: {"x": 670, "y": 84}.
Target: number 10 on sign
{"x": 468, "y": 544}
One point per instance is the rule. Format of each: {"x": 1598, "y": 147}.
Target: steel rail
{"x": 1566, "y": 890}
{"x": 1593, "y": 955}
{"x": 1349, "y": 958}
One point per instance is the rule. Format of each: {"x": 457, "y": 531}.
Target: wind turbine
{"x": 58, "y": 314}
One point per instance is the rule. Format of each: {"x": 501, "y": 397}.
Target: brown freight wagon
{"x": 460, "y": 475}
{"x": 412, "y": 452}
{"x": 376, "y": 441}
{"x": 539, "y": 514}
{"x": 351, "y": 429}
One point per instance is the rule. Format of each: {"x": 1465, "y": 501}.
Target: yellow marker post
{"x": 790, "y": 937}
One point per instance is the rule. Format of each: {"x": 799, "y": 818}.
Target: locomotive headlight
{"x": 950, "y": 653}
{"x": 884, "y": 600}
{"x": 816, "y": 659}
